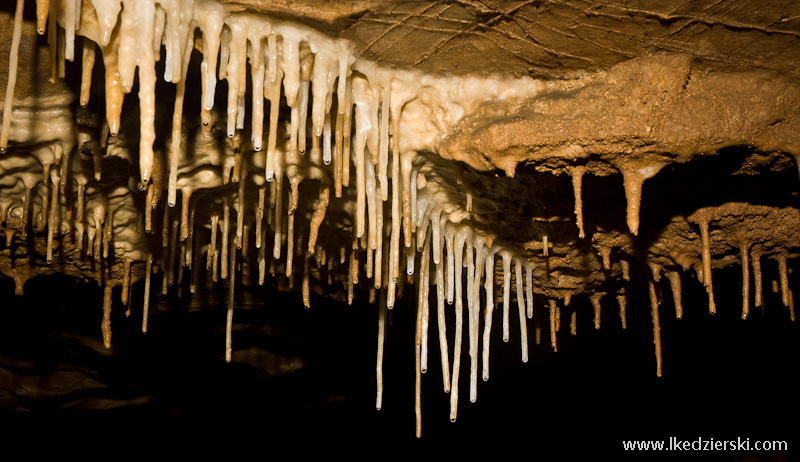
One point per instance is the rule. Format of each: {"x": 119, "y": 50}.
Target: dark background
{"x": 723, "y": 377}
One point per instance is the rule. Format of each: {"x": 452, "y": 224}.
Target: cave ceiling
{"x": 479, "y": 160}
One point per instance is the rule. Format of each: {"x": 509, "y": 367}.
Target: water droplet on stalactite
{"x": 675, "y": 283}
{"x": 42, "y": 9}
{"x": 577, "y": 179}
{"x": 656, "y": 326}
{"x": 706, "y": 243}
{"x": 595, "y": 299}
{"x": 744, "y": 251}
{"x": 13, "y": 61}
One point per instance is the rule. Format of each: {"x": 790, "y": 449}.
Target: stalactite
{"x": 626, "y": 271}
{"x": 577, "y": 178}
{"x": 605, "y": 256}
{"x": 381, "y": 339}
{"x": 419, "y": 340}
{"x": 622, "y": 300}
{"x": 87, "y": 65}
{"x": 105, "y": 325}
{"x": 553, "y": 314}
{"x": 52, "y": 41}
{"x": 706, "y": 244}
{"x": 757, "y": 277}
{"x": 595, "y": 299}
{"x": 306, "y": 288}
{"x": 573, "y": 323}
{"x": 319, "y": 216}
{"x": 42, "y": 9}
{"x": 523, "y": 328}
{"x": 784, "y": 278}
{"x": 53, "y": 220}
{"x": 424, "y": 288}
{"x": 506, "y": 291}
{"x": 675, "y": 283}
{"x": 744, "y": 251}
{"x": 474, "y": 274}
{"x": 12, "y": 75}
{"x": 146, "y": 297}
{"x": 633, "y": 178}
{"x": 488, "y": 287}
{"x": 172, "y": 248}
{"x": 221, "y": 252}
{"x": 656, "y": 326}
{"x": 458, "y": 248}
{"x": 126, "y": 279}
{"x": 229, "y": 318}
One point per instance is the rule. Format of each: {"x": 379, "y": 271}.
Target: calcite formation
{"x": 345, "y": 148}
